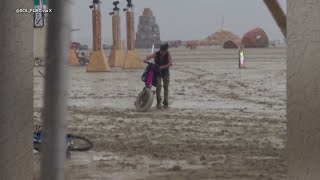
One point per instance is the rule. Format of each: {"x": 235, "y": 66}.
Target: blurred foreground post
{"x": 55, "y": 103}
{"x": 278, "y": 14}
{"x": 303, "y": 90}
{"x": 16, "y": 91}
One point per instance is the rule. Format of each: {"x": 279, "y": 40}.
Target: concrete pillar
{"x": 16, "y": 91}
{"x": 303, "y": 89}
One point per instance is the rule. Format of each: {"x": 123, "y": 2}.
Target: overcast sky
{"x": 181, "y": 19}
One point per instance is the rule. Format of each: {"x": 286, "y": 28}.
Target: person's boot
{"x": 159, "y": 106}
{"x": 165, "y": 105}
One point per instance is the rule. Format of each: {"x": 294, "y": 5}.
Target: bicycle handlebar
{"x": 148, "y": 62}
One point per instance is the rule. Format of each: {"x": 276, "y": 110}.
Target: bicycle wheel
{"x": 78, "y": 143}
{"x": 144, "y": 100}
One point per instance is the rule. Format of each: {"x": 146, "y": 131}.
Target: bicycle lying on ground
{"x": 74, "y": 142}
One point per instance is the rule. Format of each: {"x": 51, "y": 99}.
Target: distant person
{"x": 163, "y": 59}
{"x": 241, "y": 57}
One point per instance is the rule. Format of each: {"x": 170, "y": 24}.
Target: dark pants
{"x": 165, "y": 77}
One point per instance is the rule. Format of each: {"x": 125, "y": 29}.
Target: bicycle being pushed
{"x": 145, "y": 98}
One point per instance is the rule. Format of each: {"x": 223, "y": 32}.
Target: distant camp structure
{"x": 255, "y": 38}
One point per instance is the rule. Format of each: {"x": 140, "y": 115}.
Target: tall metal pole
{"x": 55, "y": 104}
{"x": 154, "y": 42}
{"x": 222, "y": 23}
{"x": 16, "y": 91}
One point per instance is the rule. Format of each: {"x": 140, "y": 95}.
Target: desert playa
{"x": 223, "y": 122}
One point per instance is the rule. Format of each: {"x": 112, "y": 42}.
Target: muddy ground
{"x": 223, "y": 123}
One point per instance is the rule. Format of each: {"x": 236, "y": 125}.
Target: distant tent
{"x": 256, "y": 38}
{"x": 230, "y": 45}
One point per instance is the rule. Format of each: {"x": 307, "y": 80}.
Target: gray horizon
{"x": 181, "y": 19}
